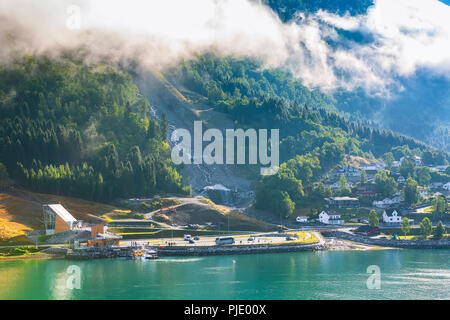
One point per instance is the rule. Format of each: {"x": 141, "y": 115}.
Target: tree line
{"x": 70, "y": 128}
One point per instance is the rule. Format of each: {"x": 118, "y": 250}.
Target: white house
{"x": 350, "y": 171}
{"x": 381, "y": 203}
{"x": 391, "y": 216}
{"x": 332, "y": 218}
{"x": 446, "y": 186}
{"x": 401, "y": 179}
{"x": 336, "y": 186}
{"x": 301, "y": 219}
{"x": 387, "y": 202}
{"x": 418, "y": 161}
{"x": 380, "y": 165}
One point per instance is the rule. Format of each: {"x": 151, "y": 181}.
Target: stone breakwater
{"x": 98, "y": 253}
{"x": 407, "y": 244}
{"x": 228, "y": 250}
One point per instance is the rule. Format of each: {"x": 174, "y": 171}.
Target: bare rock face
{"x": 183, "y": 108}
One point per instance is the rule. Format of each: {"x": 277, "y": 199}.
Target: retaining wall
{"x": 227, "y": 250}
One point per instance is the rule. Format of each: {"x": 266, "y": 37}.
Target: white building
{"x": 446, "y": 186}
{"x": 391, "y": 216}
{"x": 418, "y": 161}
{"x": 331, "y": 218}
{"x": 301, "y": 219}
{"x": 401, "y": 179}
{"x": 381, "y": 165}
{"x": 335, "y": 186}
{"x": 58, "y": 219}
{"x": 388, "y": 202}
{"x": 350, "y": 171}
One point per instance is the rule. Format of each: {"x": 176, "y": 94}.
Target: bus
{"x": 224, "y": 240}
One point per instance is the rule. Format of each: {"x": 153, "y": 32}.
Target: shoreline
{"x": 403, "y": 244}
{"x": 229, "y": 250}
{"x": 332, "y": 242}
{"x": 43, "y": 256}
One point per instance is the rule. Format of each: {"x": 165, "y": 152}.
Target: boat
{"x": 150, "y": 254}
{"x": 144, "y": 254}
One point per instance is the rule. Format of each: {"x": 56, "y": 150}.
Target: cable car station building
{"x": 58, "y": 219}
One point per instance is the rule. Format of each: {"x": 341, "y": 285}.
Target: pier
{"x": 228, "y": 250}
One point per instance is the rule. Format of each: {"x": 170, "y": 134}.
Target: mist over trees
{"x": 74, "y": 129}
{"x": 287, "y": 9}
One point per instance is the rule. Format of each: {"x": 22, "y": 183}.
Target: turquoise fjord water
{"x": 405, "y": 274}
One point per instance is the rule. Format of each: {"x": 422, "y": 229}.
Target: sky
{"x": 401, "y": 36}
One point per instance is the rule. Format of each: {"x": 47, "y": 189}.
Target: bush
{"x": 440, "y": 230}
{"x": 426, "y": 227}
{"x": 18, "y": 251}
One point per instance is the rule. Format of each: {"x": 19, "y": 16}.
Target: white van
{"x": 187, "y": 237}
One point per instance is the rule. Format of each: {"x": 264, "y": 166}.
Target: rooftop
{"x": 62, "y": 212}
{"x": 342, "y": 199}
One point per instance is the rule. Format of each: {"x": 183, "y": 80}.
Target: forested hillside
{"x": 418, "y": 106}
{"x": 86, "y": 131}
{"x": 421, "y": 109}
{"x": 314, "y": 138}
{"x": 287, "y": 9}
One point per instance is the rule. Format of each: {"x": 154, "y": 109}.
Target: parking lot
{"x": 251, "y": 239}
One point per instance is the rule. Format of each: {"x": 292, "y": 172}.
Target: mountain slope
{"x": 417, "y": 104}
{"x": 59, "y": 131}
{"x": 183, "y": 107}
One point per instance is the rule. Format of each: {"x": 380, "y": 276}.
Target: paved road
{"x": 266, "y": 238}
{"x": 149, "y": 215}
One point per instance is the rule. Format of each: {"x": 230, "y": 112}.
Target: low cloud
{"x": 401, "y": 36}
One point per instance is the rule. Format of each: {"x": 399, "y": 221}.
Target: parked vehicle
{"x": 196, "y": 238}
{"x": 224, "y": 240}
{"x": 191, "y": 241}
{"x": 187, "y": 237}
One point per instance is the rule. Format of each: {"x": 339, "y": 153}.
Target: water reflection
{"x": 405, "y": 274}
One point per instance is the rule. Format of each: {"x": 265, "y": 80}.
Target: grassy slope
{"x": 21, "y": 211}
